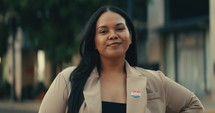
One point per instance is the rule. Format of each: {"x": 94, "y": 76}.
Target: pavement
{"x": 27, "y": 106}
{"x": 209, "y": 103}
{"x": 33, "y": 105}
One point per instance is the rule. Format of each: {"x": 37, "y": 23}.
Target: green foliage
{"x": 3, "y": 39}
{"x": 53, "y": 25}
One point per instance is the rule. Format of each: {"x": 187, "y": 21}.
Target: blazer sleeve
{"x": 55, "y": 99}
{"x": 179, "y": 99}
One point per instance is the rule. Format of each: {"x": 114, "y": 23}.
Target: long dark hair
{"x": 90, "y": 57}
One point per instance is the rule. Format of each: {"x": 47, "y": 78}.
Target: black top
{"x": 112, "y": 107}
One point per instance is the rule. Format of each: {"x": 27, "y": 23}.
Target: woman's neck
{"x": 112, "y": 66}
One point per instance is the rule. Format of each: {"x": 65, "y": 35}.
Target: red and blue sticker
{"x": 136, "y": 94}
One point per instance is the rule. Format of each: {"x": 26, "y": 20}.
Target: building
{"x": 180, "y": 40}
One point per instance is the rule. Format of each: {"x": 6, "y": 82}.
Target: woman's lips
{"x": 114, "y": 44}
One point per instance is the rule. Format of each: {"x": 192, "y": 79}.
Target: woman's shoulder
{"x": 155, "y": 80}
{"x": 150, "y": 72}
{"x": 68, "y": 70}
{"x": 65, "y": 73}
{"x": 155, "y": 77}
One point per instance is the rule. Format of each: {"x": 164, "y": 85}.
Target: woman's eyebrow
{"x": 102, "y": 26}
{"x": 119, "y": 24}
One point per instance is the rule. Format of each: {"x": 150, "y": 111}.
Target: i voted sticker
{"x": 135, "y": 94}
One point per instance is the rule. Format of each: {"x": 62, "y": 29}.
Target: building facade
{"x": 180, "y": 39}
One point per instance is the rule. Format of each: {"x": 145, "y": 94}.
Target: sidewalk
{"x": 24, "y": 106}
{"x": 209, "y": 103}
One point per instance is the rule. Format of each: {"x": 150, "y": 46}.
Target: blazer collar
{"x": 136, "y": 91}
{"x": 92, "y": 93}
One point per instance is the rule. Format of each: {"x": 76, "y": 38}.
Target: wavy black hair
{"x": 90, "y": 56}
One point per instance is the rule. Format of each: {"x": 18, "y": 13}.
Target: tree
{"x": 3, "y": 30}
{"x": 50, "y": 25}
{"x": 3, "y": 40}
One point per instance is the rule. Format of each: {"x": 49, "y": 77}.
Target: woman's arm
{"x": 179, "y": 99}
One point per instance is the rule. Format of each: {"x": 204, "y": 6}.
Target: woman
{"x": 107, "y": 80}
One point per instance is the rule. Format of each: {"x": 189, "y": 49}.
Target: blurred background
{"x": 39, "y": 38}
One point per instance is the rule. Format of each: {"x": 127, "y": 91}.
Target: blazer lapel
{"x": 136, "y": 91}
{"x": 92, "y": 93}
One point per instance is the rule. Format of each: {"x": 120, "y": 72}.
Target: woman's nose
{"x": 112, "y": 35}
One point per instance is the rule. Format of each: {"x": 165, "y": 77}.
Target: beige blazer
{"x": 156, "y": 94}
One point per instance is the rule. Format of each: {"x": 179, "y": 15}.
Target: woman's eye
{"x": 102, "y": 31}
{"x": 120, "y": 29}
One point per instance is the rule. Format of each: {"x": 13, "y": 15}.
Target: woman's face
{"x": 112, "y": 38}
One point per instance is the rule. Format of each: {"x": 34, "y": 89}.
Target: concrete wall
{"x": 155, "y": 19}
{"x": 211, "y": 46}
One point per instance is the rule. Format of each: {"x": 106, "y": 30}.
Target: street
{"x": 19, "y": 107}
{"x": 15, "y": 111}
